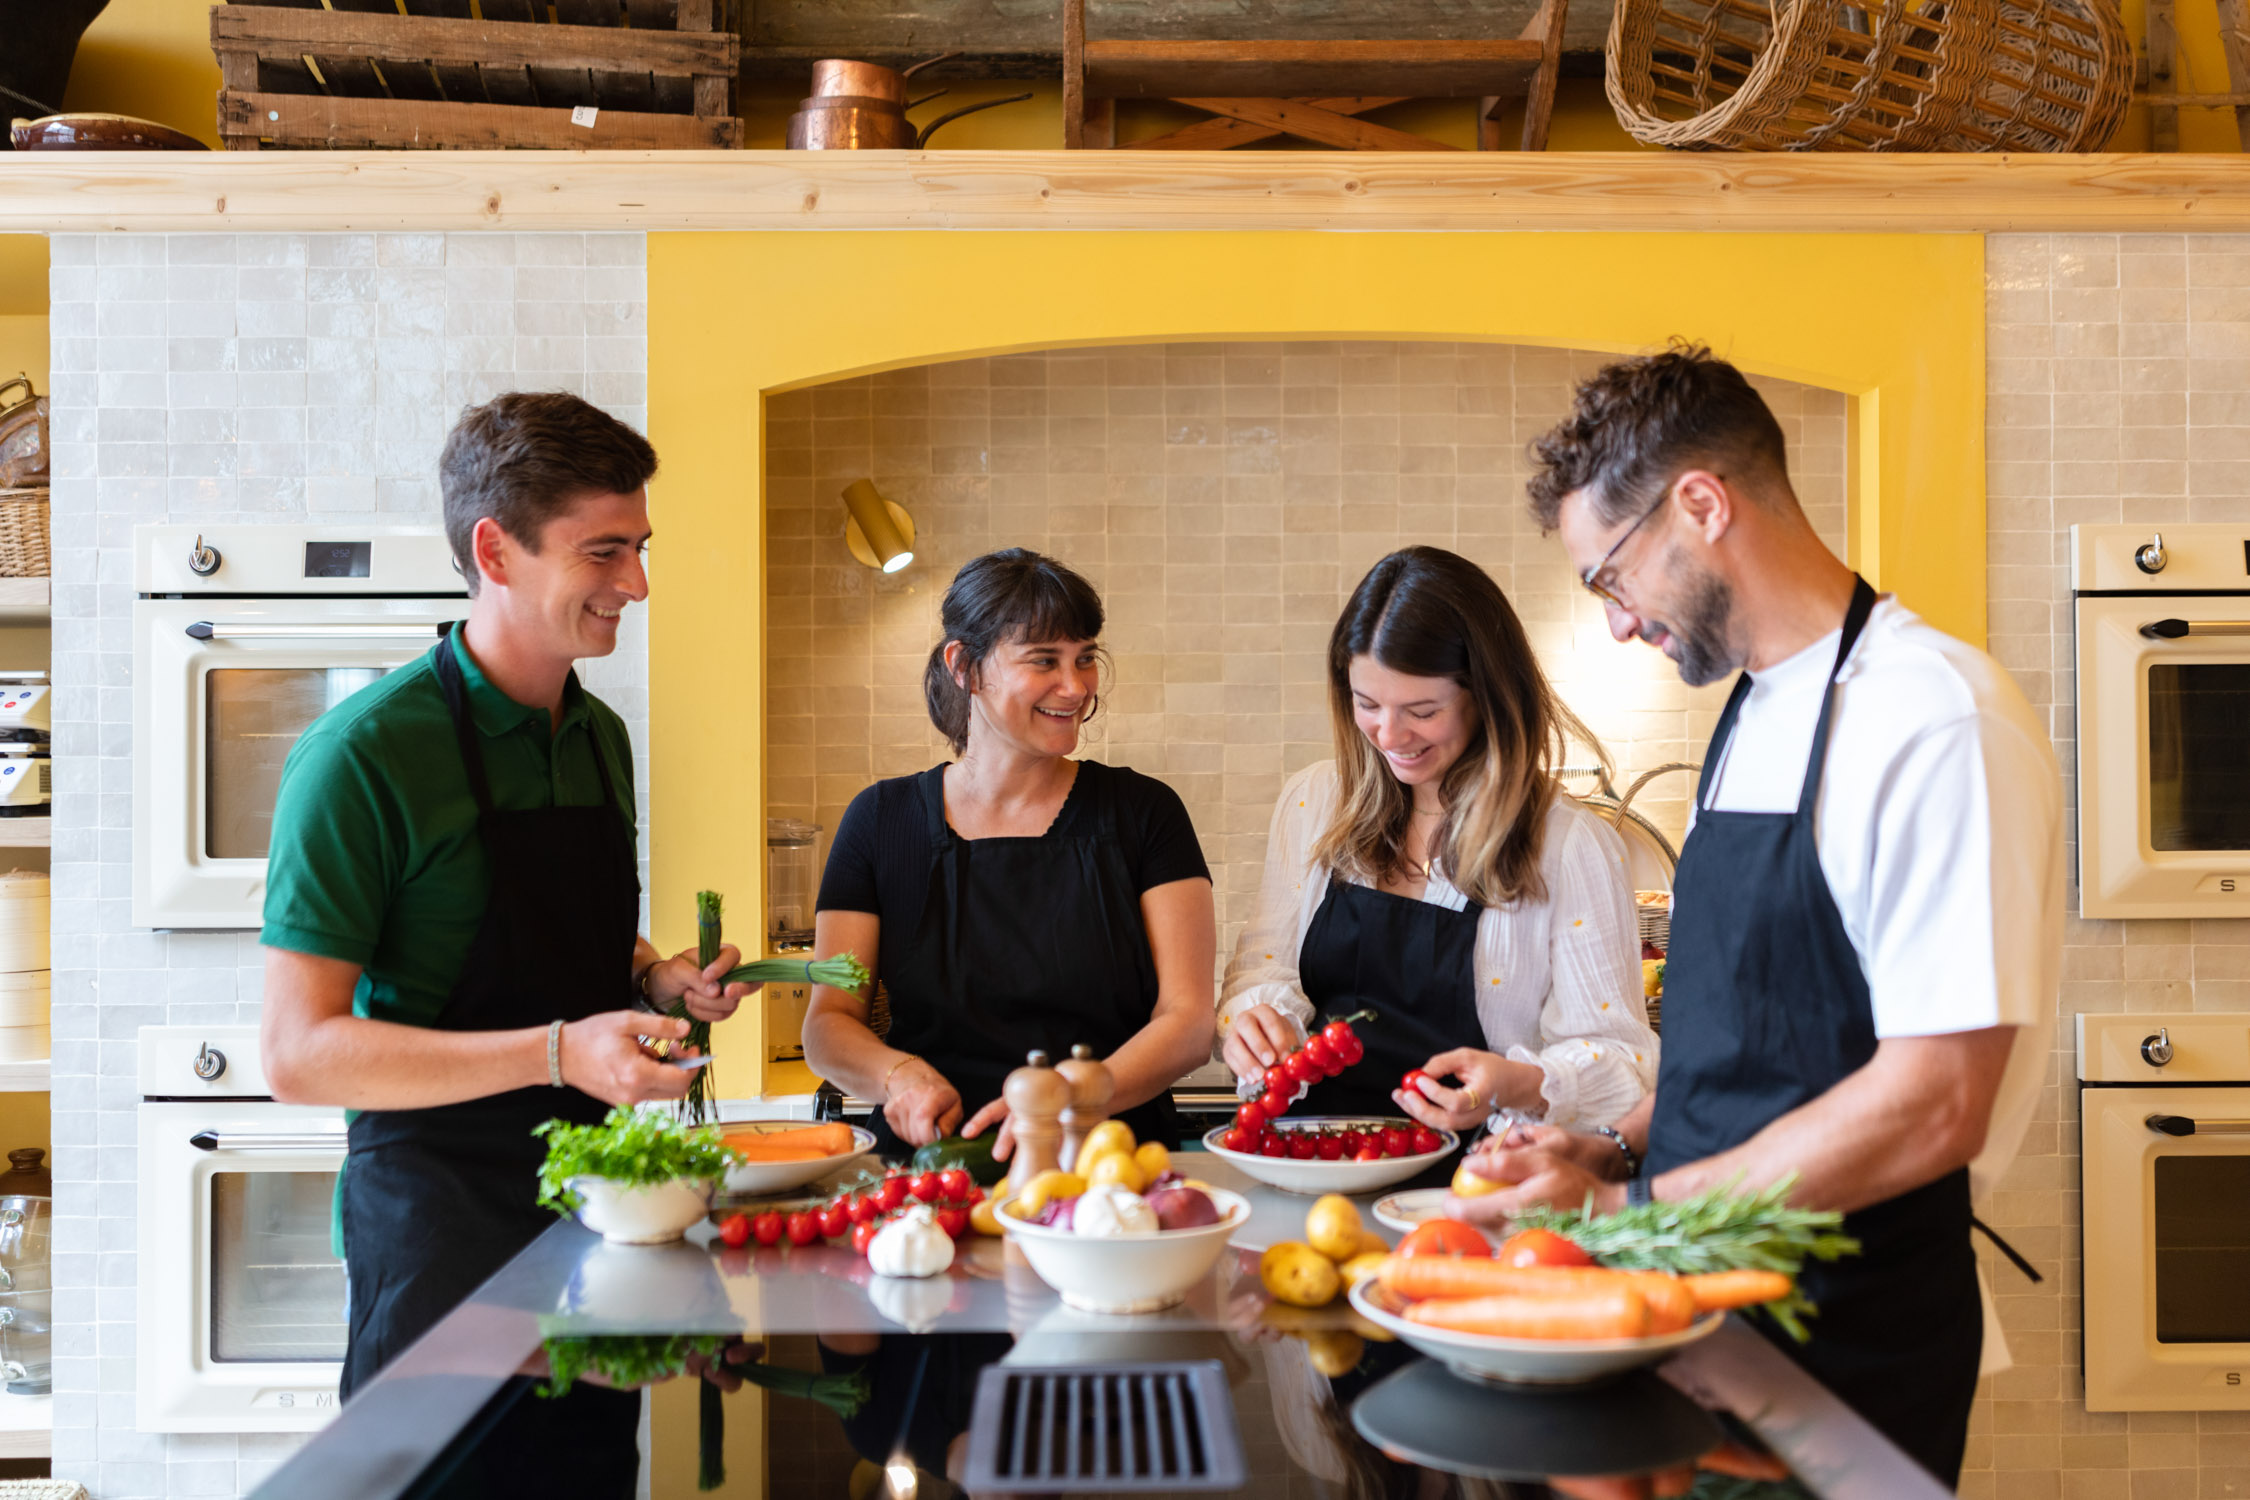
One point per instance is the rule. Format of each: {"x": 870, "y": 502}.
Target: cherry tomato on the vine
{"x": 836, "y": 1221}
{"x": 1317, "y": 1052}
{"x": 955, "y": 1182}
{"x": 734, "y": 1230}
{"x": 1302, "y": 1147}
{"x": 954, "y": 1220}
{"x": 863, "y": 1234}
{"x": 1279, "y": 1080}
{"x": 767, "y": 1228}
{"x": 1250, "y": 1116}
{"x": 1368, "y": 1153}
{"x": 926, "y": 1188}
{"x": 1239, "y": 1139}
{"x": 1426, "y": 1140}
{"x": 1304, "y": 1070}
{"x": 803, "y": 1228}
{"x": 863, "y": 1208}
{"x": 1412, "y": 1083}
{"x": 890, "y": 1195}
{"x": 1396, "y": 1141}
{"x": 1330, "y": 1147}
{"x": 1273, "y": 1145}
{"x": 1275, "y": 1103}
{"x": 1338, "y": 1034}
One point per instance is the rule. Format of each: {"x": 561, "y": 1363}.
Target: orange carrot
{"x": 1671, "y": 1306}
{"x": 1616, "y": 1312}
{"x": 1721, "y": 1289}
{"x": 1417, "y": 1276}
{"x": 831, "y": 1139}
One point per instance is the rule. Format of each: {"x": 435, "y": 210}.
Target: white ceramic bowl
{"x": 1411, "y": 1209}
{"x": 1316, "y": 1177}
{"x": 655, "y": 1215}
{"x": 757, "y": 1178}
{"x": 1129, "y": 1274}
{"x": 1477, "y": 1356}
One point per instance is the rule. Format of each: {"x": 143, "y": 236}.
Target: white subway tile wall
{"x": 1225, "y": 499}
{"x": 233, "y": 380}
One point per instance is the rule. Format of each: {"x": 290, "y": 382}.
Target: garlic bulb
{"x": 910, "y": 1245}
{"x": 1107, "y": 1211}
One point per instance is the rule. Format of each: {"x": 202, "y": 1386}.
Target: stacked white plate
{"x": 23, "y": 967}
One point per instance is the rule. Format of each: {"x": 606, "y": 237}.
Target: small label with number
{"x": 583, "y": 114}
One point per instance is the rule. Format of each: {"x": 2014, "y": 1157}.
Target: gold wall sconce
{"x": 880, "y": 533}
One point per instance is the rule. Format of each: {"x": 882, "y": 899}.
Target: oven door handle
{"x": 269, "y": 1140}
{"x": 2182, "y": 1125}
{"x": 2172, "y": 630}
{"x": 219, "y": 630}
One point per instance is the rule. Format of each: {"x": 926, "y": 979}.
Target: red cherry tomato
{"x": 1275, "y": 1103}
{"x": 863, "y": 1208}
{"x": 956, "y": 1182}
{"x": 1352, "y": 1051}
{"x": 835, "y": 1221}
{"x": 1540, "y": 1247}
{"x": 1317, "y": 1052}
{"x": 1273, "y": 1145}
{"x": 1337, "y": 1034}
{"x": 1279, "y": 1080}
{"x": 804, "y": 1228}
{"x": 954, "y": 1220}
{"x": 734, "y": 1230}
{"x": 926, "y": 1188}
{"x": 1302, "y": 1146}
{"x": 1427, "y": 1140}
{"x": 1330, "y": 1147}
{"x": 1444, "y": 1237}
{"x": 1396, "y": 1140}
{"x": 1412, "y": 1083}
{"x": 1351, "y": 1141}
{"x": 890, "y": 1195}
{"x": 1250, "y": 1116}
{"x": 1304, "y": 1070}
{"x": 974, "y": 1196}
{"x": 766, "y": 1229}
{"x": 863, "y": 1234}
{"x": 1239, "y": 1139}
{"x": 1368, "y": 1153}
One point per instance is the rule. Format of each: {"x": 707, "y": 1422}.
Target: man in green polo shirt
{"x": 452, "y": 915}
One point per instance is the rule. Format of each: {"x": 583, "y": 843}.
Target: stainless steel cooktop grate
{"x": 1080, "y": 1429}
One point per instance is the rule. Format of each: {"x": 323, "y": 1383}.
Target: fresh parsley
{"x": 638, "y": 1148}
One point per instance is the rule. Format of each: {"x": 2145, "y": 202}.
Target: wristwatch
{"x": 1637, "y": 1190}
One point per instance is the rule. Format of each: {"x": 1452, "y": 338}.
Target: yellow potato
{"x": 1153, "y": 1160}
{"x": 1371, "y": 1243}
{"x": 984, "y": 1218}
{"x": 1335, "y": 1351}
{"x": 1333, "y": 1226}
{"x": 1362, "y": 1266}
{"x": 1045, "y": 1188}
{"x": 1299, "y": 1275}
{"x": 1110, "y": 1135}
{"x": 1117, "y": 1167}
{"x": 1467, "y": 1184}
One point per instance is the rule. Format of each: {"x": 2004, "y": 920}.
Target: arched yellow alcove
{"x": 1895, "y": 322}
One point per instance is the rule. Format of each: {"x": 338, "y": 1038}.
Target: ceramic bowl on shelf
{"x": 1313, "y": 1178}
{"x": 758, "y": 1178}
{"x": 1483, "y": 1357}
{"x": 634, "y": 1214}
{"x": 1131, "y": 1273}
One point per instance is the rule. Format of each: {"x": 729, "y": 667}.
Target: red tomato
{"x": 956, "y": 1182}
{"x": 1352, "y": 1051}
{"x": 1239, "y": 1139}
{"x": 1302, "y": 1146}
{"x": 1279, "y": 1079}
{"x": 1330, "y": 1147}
{"x": 734, "y": 1230}
{"x": 1250, "y": 1116}
{"x": 766, "y": 1229}
{"x": 1427, "y": 1140}
{"x": 1412, "y": 1083}
{"x": 1273, "y": 1145}
{"x": 890, "y": 1195}
{"x": 1304, "y": 1070}
{"x": 1368, "y": 1153}
{"x": 1317, "y": 1052}
{"x": 1443, "y": 1237}
{"x": 1540, "y": 1247}
{"x": 1396, "y": 1140}
{"x": 926, "y": 1188}
{"x": 974, "y": 1196}
{"x": 1352, "y": 1141}
{"x": 803, "y": 1228}
{"x": 863, "y": 1234}
{"x": 954, "y": 1220}
{"x": 1275, "y": 1103}
{"x": 863, "y": 1208}
{"x": 835, "y": 1221}
{"x": 1338, "y": 1034}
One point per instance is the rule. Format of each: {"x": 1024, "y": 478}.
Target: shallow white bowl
{"x": 1315, "y": 1177}
{"x": 1129, "y": 1274}
{"x": 1477, "y": 1356}
{"x": 642, "y": 1215}
{"x": 1411, "y": 1209}
{"x": 760, "y": 1177}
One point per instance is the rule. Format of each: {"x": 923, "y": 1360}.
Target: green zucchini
{"x": 972, "y": 1156}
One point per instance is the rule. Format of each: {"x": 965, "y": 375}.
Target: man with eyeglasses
{"x": 1867, "y": 928}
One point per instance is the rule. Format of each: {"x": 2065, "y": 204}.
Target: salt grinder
{"x": 1090, "y": 1091}
{"x": 1037, "y": 1095}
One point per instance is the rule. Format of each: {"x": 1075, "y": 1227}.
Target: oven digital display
{"x": 2203, "y": 1249}
{"x": 338, "y": 559}
{"x": 2198, "y": 756}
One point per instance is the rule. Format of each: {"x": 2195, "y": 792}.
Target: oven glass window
{"x": 251, "y": 716}
{"x": 2203, "y": 1249}
{"x": 277, "y": 1293}
{"x": 2198, "y": 756}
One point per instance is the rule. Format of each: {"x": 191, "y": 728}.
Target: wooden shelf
{"x": 27, "y": 833}
{"x": 23, "y": 1078}
{"x": 26, "y": 600}
{"x": 27, "y": 1426}
{"x": 315, "y": 191}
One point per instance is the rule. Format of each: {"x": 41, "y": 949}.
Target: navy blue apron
{"x": 436, "y": 1200}
{"x": 1024, "y": 944}
{"x": 1414, "y": 963}
{"x": 1766, "y": 1007}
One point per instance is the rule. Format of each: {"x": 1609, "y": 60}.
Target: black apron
{"x": 1766, "y": 1007}
{"x": 436, "y": 1200}
{"x": 1414, "y": 963}
{"x": 1024, "y": 943}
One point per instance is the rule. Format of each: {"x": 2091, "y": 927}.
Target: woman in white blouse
{"x": 1435, "y": 872}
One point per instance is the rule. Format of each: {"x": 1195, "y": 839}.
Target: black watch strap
{"x": 1637, "y": 1189}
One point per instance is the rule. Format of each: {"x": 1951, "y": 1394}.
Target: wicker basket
{"x": 1893, "y": 75}
{"x": 23, "y": 534}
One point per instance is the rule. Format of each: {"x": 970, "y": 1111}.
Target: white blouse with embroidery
{"x": 1558, "y": 982}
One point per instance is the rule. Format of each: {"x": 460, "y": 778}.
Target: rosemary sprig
{"x": 1712, "y": 1231}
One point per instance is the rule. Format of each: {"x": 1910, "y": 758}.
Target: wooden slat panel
{"x": 1417, "y": 70}
{"x": 347, "y": 123}
{"x": 1224, "y": 134}
{"x": 1309, "y": 122}
{"x": 336, "y": 34}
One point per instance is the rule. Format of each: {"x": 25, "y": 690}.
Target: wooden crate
{"x": 604, "y": 74}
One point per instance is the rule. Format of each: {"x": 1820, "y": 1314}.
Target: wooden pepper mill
{"x": 1037, "y": 1095}
{"x": 1090, "y": 1091}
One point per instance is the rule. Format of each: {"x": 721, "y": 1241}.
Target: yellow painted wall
{"x": 1907, "y": 346}
{"x": 150, "y": 58}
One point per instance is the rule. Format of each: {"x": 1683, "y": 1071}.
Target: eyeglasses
{"x": 1591, "y": 577}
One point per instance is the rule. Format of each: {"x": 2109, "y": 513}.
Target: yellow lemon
{"x": 1467, "y": 1184}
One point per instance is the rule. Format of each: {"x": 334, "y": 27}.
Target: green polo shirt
{"x": 375, "y": 857}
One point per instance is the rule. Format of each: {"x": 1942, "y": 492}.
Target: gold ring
{"x": 1473, "y": 1101}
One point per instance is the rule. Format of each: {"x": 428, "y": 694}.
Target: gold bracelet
{"x": 887, "y": 1077}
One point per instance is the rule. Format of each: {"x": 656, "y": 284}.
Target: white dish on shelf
{"x": 1127, "y": 1273}
{"x": 1499, "y": 1361}
{"x": 1313, "y": 1178}
{"x": 758, "y": 1178}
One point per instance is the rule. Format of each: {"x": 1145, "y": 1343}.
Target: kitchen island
{"x": 1752, "y": 1426}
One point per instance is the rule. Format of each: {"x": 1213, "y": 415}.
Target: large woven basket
{"x": 1891, "y": 75}
{"x": 23, "y": 534}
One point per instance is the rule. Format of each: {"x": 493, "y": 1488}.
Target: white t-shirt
{"x": 1939, "y": 827}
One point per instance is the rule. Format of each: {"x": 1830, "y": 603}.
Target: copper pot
{"x": 831, "y": 124}
{"x": 835, "y": 76}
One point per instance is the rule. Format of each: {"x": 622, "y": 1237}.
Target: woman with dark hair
{"x": 1016, "y": 898}
{"x": 1434, "y": 871}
